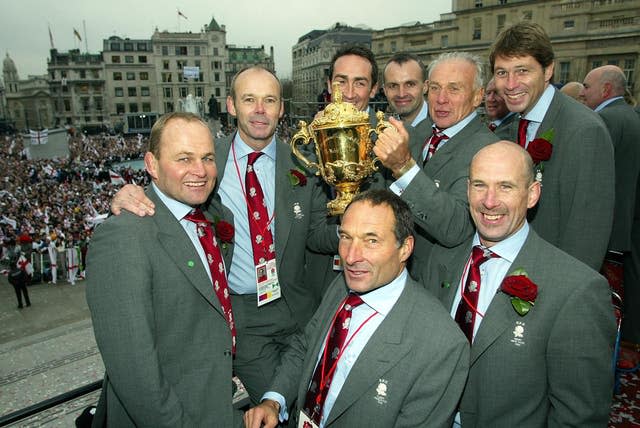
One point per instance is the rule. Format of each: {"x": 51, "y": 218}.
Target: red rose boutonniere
{"x": 540, "y": 150}
{"x": 522, "y": 290}
{"x": 224, "y": 232}
{"x": 297, "y": 177}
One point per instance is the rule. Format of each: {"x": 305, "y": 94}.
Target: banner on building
{"x": 191, "y": 72}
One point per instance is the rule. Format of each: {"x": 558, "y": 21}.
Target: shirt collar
{"x": 540, "y": 109}
{"x": 607, "y": 102}
{"x": 497, "y": 122}
{"x": 242, "y": 149}
{"x": 453, "y": 130}
{"x": 422, "y": 115}
{"x": 177, "y": 208}
{"x": 509, "y": 248}
{"x": 383, "y": 298}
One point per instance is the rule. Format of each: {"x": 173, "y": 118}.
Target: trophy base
{"x": 345, "y": 193}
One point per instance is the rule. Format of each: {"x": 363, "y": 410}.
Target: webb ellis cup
{"x": 343, "y": 148}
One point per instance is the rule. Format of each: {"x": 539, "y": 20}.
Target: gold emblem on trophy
{"x": 343, "y": 148}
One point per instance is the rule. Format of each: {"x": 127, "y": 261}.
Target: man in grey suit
{"x": 604, "y": 93}
{"x": 580, "y": 163}
{"x": 403, "y": 361}
{"x": 540, "y": 321}
{"x": 405, "y": 86}
{"x": 432, "y": 176}
{"x": 498, "y": 115}
{"x": 297, "y": 218}
{"x": 159, "y": 324}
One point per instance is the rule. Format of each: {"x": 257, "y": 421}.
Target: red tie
{"x": 492, "y": 126}
{"x": 321, "y": 381}
{"x": 522, "y": 132}
{"x": 216, "y": 267}
{"x": 436, "y": 138}
{"x": 261, "y": 238}
{"x": 468, "y": 306}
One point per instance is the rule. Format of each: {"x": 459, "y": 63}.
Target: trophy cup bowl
{"x": 343, "y": 148}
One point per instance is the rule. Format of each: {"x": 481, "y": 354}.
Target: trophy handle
{"x": 303, "y": 136}
{"x": 381, "y": 126}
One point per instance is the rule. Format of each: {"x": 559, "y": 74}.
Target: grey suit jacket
{"x": 417, "y": 350}
{"x": 437, "y": 195}
{"x": 558, "y": 371}
{"x": 624, "y": 127}
{"x": 575, "y": 211}
{"x": 294, "y": 231}
{"x": 165, "y": 343}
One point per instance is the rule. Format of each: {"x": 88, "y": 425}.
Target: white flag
{"x": 116, "y": 178}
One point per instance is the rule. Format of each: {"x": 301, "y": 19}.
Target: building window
{"x": 196, "y": 50}
{"x": 168, "y": 107}
{"x": 120, "y": 108}
{"x": 216, "y": 65}
{"x": 199, "y": 91}
{"x": 142, "y": 59}
{"x": 183, "y": 92}
{"x": 165, "y": 65}
{"x": 628, "y": 70}
{"x": 181, "y": 50}
{"x": 114, "y": 46}
{"x": 144, "y": 91}
{"x": 97, "y": 102}
{"x": 119, "y": 92}
{"x": 478, "y": 3}
{"x": 165, "y": 50}
{"x": 215, "y": 51}
{"x": 168, "y": 92}
{"x": 444, "y": 41}
{"x": 393, "y": 46}
{"x": 142, "y": 47}
{"x": 128, "y": 59}
{"x": 527, "y": 15}
{"x": 85, "y": 104}
{"x": 144, "y": 75}
{"x": 198, "y": 63}
{"x": 133, "y": 107}
{"x": 83, "y": 74}
{"x": 166, "y": 77}
{"x": 131, "y": 75}
{"x": 501, "y": 21}
{"x": 564, "y": 72}
{"x": 95, "y": 74}
{"x": 128, "y": 46}
{"x": 117, "y": 75}
{"x": 502, "y": 1}
{"x": 477, "y": 28}
{"x": 596, "y": 63}
{"x": 216, "y": 77}
{"x": 146, "y": 107}
{"x": 569, "y": 24}
{"x": 132, "y": 92}
{"x": 217, "y": 92}
{"x": 115, "y": 59}
{"x": 612, "y": 62}
{"x": 67, "y": 105}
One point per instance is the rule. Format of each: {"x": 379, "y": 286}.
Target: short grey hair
{"x": 465, "y": 56}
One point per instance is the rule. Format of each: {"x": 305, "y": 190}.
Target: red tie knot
{"x": 196, "y": 216}
{"x": 253, "y": 156}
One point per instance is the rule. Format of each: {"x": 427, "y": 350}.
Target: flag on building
{"x": 181, "y": 14}
{"x": 39, "y": 137}
{"x": 116, "y": 178}
{"x": 50, "y": 37}
{"x": 75, "y": 33}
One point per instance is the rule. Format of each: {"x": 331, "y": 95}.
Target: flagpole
{"x": 86, "y": 44}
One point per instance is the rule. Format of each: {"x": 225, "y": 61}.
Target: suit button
{"x": 227, "y": 353}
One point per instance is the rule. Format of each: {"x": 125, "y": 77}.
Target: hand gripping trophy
{"x": 343, "y": 148}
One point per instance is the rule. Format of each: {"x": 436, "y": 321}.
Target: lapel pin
{"x": 445, "y": 284}
{"x": 381, "y": 391}
{"x": 297, "y": 211}
{"x": 190, "y": 263}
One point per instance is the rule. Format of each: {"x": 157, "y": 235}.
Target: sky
{"x": 278, "y": 23}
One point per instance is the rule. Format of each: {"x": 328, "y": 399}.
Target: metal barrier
{"x": 66, "y": 267}
{"x": 21, "y": 414}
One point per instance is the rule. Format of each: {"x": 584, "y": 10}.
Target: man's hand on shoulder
{"x": 132, "y": 198}
{"x": 264, "y": 415}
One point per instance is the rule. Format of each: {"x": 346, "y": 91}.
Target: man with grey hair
{"x": 430, "y": 175}
{"x": 603, "y": 91}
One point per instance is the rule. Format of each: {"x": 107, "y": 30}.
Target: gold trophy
{"x": 343, "y": 147}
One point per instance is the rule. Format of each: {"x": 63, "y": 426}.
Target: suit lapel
{"x": 382, "y": 352}
{"x": 223, "y": 147}
{"x": 179, "y": 248}
{"x": 284, "y": 200}
{"x": 500, "y": 314}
